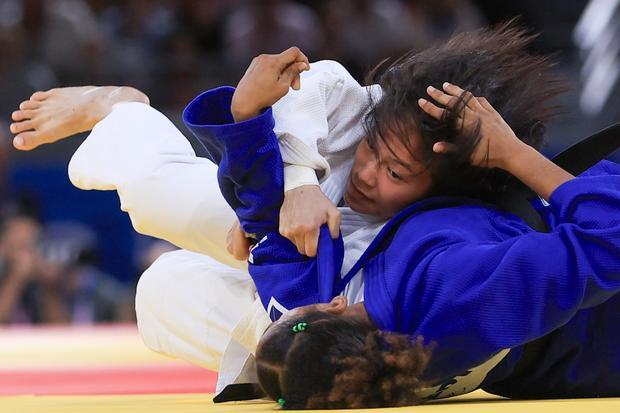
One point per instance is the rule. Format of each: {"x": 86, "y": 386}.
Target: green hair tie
{"x": 299, "y": 327}
{"x": 281, "y": 402}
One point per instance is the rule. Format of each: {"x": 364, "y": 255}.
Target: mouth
{"x": 355, "y": 193}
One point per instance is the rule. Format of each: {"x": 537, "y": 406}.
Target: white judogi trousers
{"x": 189, "y": 301}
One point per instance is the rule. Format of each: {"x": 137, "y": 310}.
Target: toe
{"x": 19, "y": 127}
{"x": 20, "y": 115}
{"x": 29, "y": 104}
{"x": 26, "y": 141}
{"x": 39, "y": 96}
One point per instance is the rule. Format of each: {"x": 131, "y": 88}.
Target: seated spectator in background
{"x": 49, "y": 275}
{"x": 19, "y": 263}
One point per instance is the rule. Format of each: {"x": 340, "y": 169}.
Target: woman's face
{"x": 382, "y": 181}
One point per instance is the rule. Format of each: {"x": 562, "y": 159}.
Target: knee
{"x": 149, "y": 289}
{"x": 148, "y": 305}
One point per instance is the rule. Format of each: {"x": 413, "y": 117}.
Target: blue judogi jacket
{"x": 464, "y": 275}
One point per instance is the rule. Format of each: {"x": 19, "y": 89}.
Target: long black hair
{"x": 491, "y": 62}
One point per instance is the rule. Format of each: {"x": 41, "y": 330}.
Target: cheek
{"x": 395, "y": 197}
{"x": 391, "y": 197}
{"x": 362, "y": 154}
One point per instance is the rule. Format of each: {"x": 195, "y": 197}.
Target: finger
{"x": 242, "y": 250}
{"x": 300, "y": 243}
{"x": 333, "y": 222}
{"x": 293, "y": 54}
{"x": 241, "y": 244}
{"x": 312, "y": 242}
{"x": 444, "y": 147}
{"x": 290, "y": 75}
{"x": 451, "y": 89}
{"x": 296, "y": 83}
{"x": 465, "y": 95}
{"x": 229, "y": 245}
{"x": 26, "y": 141}
{"x": 23, "y": 126}
{"x": 439, "y": 96}
{"x": 20, "y": 115}
{"x": 431, "y": 109}
{"x": 29, "y": 104}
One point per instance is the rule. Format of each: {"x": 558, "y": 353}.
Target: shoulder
{"x": 458, "y": 220}
{"x": 327, "y": 67}
{"x": 331, "y": 76}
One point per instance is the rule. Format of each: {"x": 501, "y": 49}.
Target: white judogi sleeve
{"x": 320, "y": 125}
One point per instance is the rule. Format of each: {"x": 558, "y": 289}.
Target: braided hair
{"x": 324, "y": 361}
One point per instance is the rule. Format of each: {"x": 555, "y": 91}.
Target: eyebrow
{"x": 402, "y": 163}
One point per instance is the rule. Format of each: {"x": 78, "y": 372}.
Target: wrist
{"x": 299, "y": 175}
{"x": 516, "y": 155}
{"x": 241, "y": 112}
{"x": 240, "y": 115}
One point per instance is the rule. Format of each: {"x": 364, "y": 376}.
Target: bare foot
{"x": 59, "y": 113}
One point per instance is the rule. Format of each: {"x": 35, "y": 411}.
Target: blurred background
{"x": 68, "y": 256}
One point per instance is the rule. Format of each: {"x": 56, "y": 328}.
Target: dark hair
{"x": 493, "y": 63}
{"x": 337, "y": 362}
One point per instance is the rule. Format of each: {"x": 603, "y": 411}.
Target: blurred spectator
{"x": 87, "y": 294}
{"x": 269, "y": 26}
{"x": 19, "y": 265}
{"x": 49, "y": 275}
{"x": 135, "y": 32}
{"x": 443, "y": 18}
{"x": 5, "y": 147}
{"x": 361, "y": 33}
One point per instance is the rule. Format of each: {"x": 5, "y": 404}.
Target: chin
{"x": 360, "y": 209}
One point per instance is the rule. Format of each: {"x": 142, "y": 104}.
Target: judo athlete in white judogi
{"x": 199, "y": 303}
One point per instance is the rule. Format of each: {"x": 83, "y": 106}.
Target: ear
{"x": 337, "y": 305}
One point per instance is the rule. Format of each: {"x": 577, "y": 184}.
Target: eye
{"x": 394, "y": 175}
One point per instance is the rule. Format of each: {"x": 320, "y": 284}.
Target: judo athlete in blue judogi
{"x": 480, "y": 286}
{"x": 499, "y": 305}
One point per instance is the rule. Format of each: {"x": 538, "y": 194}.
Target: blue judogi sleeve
{"x": 250, "y": 175}
{"x": 484, "y": 282}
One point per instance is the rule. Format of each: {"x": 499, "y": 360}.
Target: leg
{"x": 168, "y": 191}
{"x": 188, "y": 304}
{"x": 59, "y": 113}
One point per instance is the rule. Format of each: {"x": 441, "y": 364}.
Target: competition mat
{"x": 108, "y": 369}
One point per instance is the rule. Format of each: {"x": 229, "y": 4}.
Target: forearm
{"x": 535, "y": 171}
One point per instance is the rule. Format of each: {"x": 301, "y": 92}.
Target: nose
{"x": 367, "y": 174}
